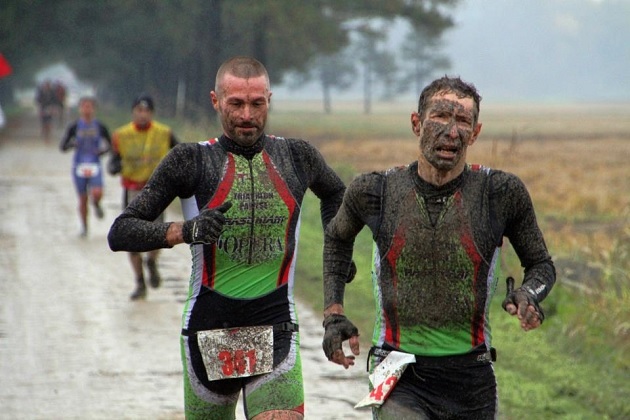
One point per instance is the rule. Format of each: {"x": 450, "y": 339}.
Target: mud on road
{"x": 72, "y": 344}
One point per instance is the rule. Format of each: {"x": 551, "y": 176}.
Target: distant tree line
{"x": 172, "y": 48}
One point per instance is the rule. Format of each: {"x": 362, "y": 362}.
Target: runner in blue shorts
{"x": 90, "y": 139}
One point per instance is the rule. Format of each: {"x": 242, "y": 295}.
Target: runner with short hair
{"x": 242, "y": 194}
{"x": 438, "y": 225}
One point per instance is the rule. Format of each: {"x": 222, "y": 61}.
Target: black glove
{"x": 520, "y": 295}
{"x": 207, "y": 226}
{"x": 337, "y": 330}
{"x": 114, "y": 165}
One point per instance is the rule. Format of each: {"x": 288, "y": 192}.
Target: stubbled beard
{"x": 237, "y": 136}
{"x": 246, "y": 139}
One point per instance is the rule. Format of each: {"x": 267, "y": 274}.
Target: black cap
{"x": 144, "y": 100}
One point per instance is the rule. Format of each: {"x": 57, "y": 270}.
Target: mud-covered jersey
{"x": 435, "y": 253}
{"x": 90, "y": 140}
{"x": 246, "y": 277}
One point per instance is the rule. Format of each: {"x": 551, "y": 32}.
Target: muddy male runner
{"x": 437, "y": 225}
{"x": 242, "y": 199}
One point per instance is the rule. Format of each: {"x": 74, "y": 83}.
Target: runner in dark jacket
{"x": 438, "y": 225}
{"x": 242, "y": 195}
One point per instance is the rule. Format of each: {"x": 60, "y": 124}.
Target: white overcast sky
{"x": 549, "y": 50}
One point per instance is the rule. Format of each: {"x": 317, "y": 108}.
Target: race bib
{"x": 87, "y": 170}
{"x": 236, "y": 352}
{"x": 385, "y": 377}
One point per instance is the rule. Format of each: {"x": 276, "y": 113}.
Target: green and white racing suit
{"x": 247, "y": 277}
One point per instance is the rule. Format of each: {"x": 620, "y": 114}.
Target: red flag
{"x": 5, "y": 67}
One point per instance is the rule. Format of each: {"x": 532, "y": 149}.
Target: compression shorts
{"x": 281, "y": 389}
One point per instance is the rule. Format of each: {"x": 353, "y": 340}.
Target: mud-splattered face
{"x": 446, "y": 131}
{"x": 243, "y": 105}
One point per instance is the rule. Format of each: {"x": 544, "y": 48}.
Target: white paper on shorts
{"x": 385, "y": 377}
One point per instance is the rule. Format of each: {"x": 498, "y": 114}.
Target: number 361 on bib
{"x": 236, "y": 352}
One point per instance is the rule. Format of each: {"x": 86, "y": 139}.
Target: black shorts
{"x": 467, "y": 390}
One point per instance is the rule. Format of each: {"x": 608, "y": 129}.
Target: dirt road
{"x": 72, "y": 345}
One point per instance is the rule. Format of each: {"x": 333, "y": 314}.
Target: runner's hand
{"x": 69, "y": 144}
{"x": 114, "y": 165}
{"x": 337, "y": 330}
{"x": 523, "y": 303}
{"x": 207, "y": 226}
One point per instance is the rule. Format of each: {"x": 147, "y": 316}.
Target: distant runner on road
{"x": 243, "y": 193}
{"x": 45, "y": 99}
{"x": 90, "y": 140}
{"x": 138, "y": 148}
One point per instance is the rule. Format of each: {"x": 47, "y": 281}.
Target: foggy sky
{"x": 543, "y": 50}
{"x": 554, "y": 51}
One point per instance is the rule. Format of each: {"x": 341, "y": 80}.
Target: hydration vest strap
{"x": 281, "y": 327}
